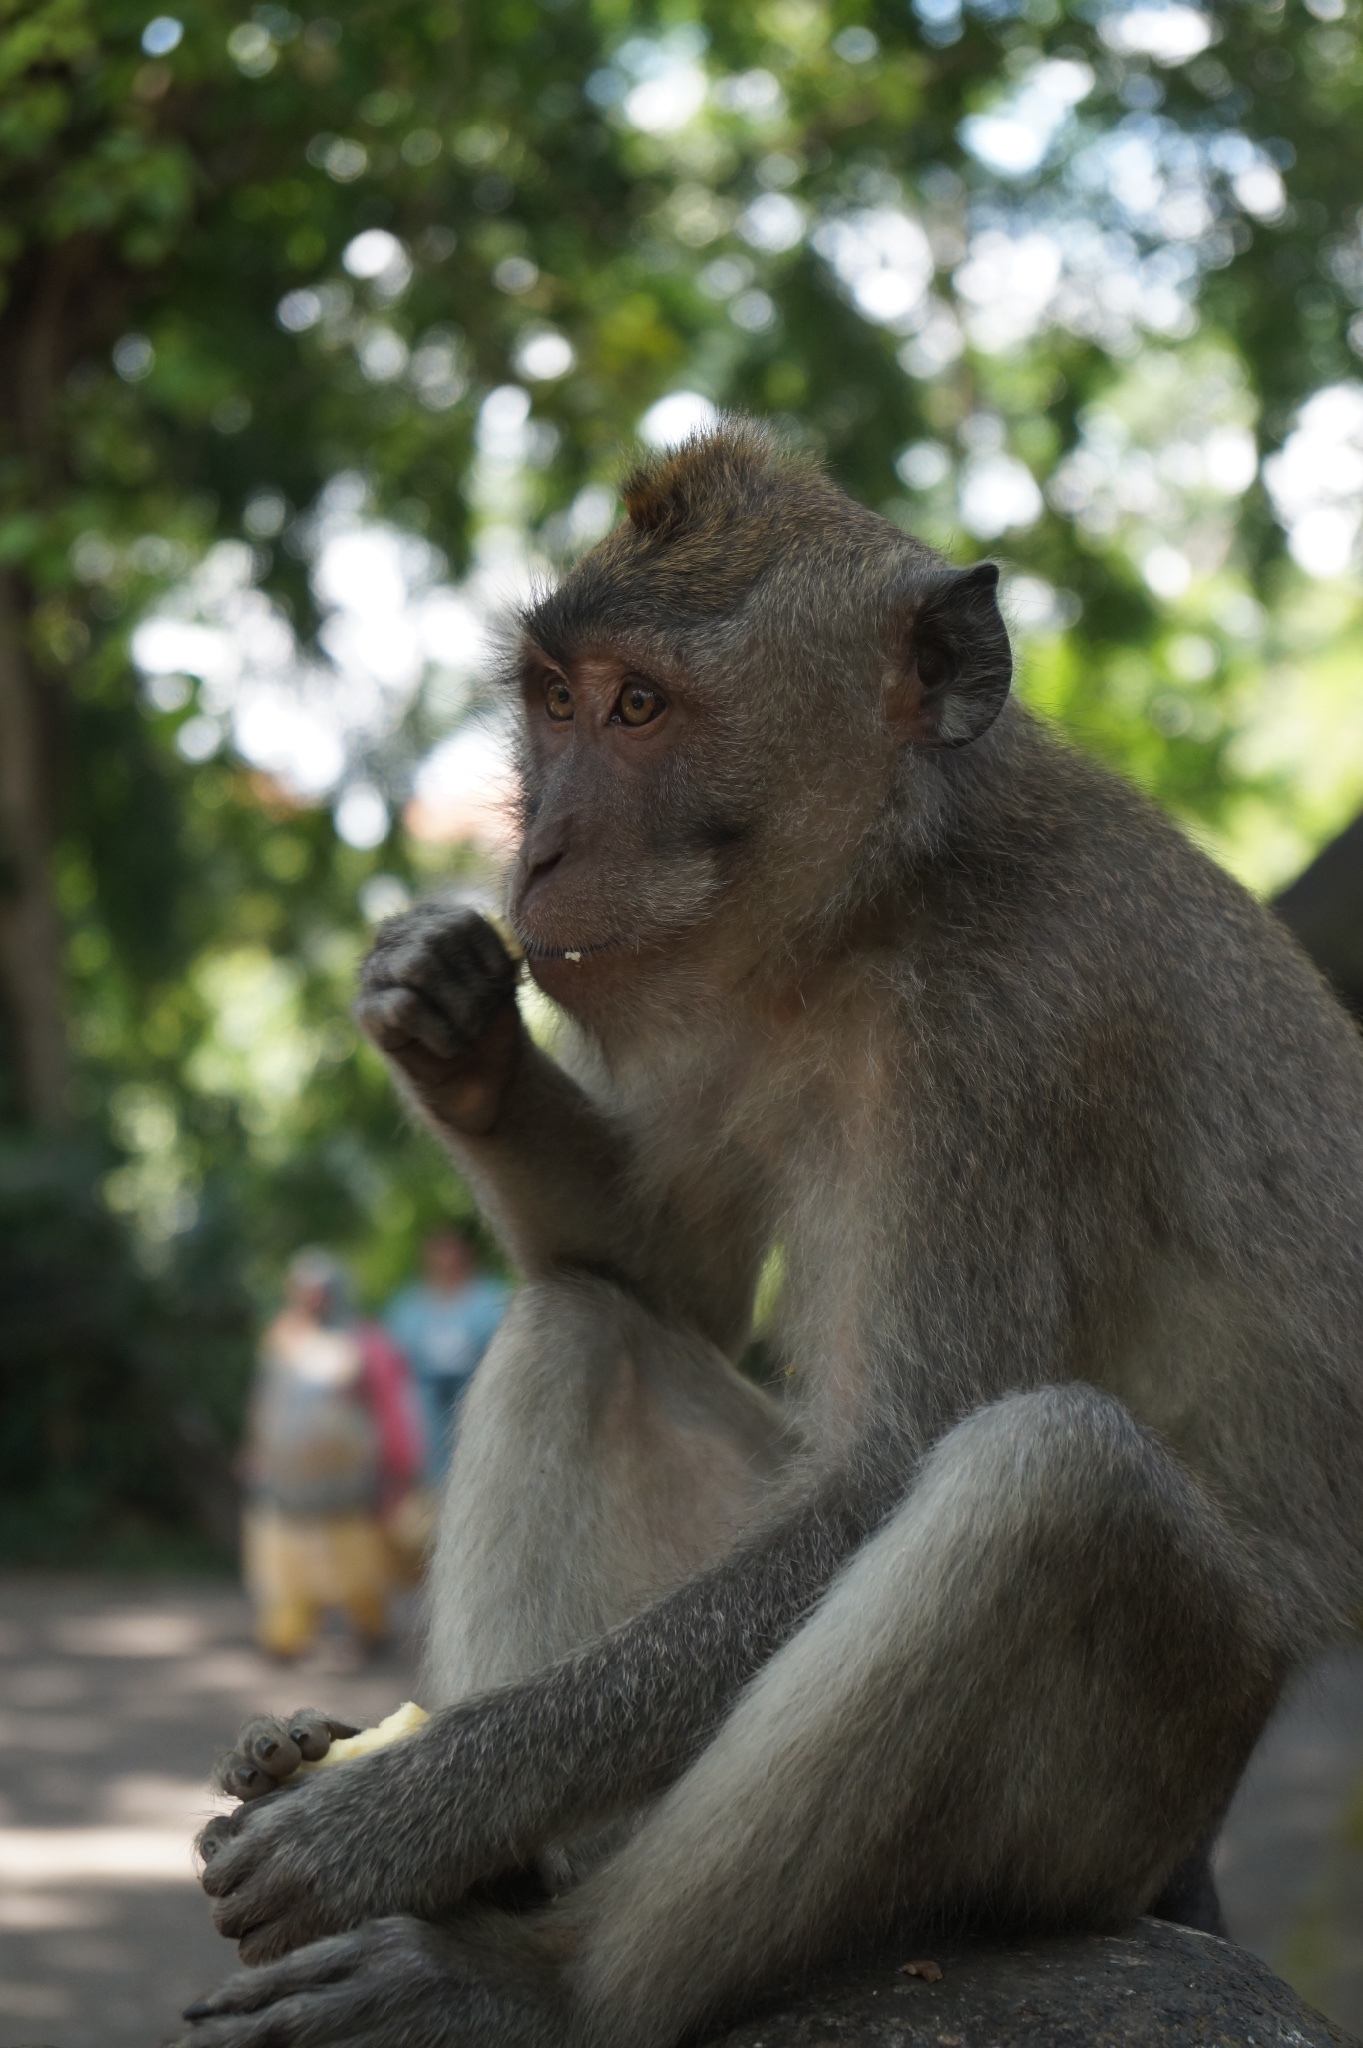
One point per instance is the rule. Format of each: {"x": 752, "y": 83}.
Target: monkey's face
{"x": 634, "y": 812}
{"x": 718, "y": 706}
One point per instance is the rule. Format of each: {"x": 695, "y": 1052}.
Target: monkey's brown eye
{"x": 638, "y": 704}
{"x": 558, "y": 700}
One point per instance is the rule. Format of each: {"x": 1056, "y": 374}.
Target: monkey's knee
{"x": 1060, "y": 1430}
{"x": 537, "y": 1416}
{"x": 1082, "y": 1508}
{"x": 550, "y": 1367}
{"x": 603, "y": 1457}
{"x": 583, "y": 1378}
{"x": 1125, "y": 1638}
{"x": 1069, "y": 1466}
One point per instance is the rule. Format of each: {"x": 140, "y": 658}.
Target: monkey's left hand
{"x": 392, "y": 1984}
{"x": 338, "y": 1849}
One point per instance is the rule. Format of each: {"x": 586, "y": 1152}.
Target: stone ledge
{"x": 1156, "y": 1986}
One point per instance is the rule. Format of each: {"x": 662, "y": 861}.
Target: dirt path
{"x": 114, "y": 1695}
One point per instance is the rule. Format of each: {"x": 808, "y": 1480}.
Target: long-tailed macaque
{"x": 980, "y": 1615}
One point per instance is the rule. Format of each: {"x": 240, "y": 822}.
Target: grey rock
{"x": 1155, "y": 1986}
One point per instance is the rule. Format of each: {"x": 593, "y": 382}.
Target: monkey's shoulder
{"x": 1086, "y": 905}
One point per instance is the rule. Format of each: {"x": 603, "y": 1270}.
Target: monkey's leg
{"x": 602, "y": 1458}
{"x": 1027, "y": 1698}
{"x": 1190, "y": 1897}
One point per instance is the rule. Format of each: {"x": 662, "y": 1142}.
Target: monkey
{"x": 973, "y": 1617}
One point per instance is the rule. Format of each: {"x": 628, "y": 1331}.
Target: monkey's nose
{"x": 543, "y": 860}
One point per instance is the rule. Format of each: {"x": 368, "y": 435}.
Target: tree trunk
{"x": 30, "y": 928}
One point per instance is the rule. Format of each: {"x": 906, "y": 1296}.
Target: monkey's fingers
{"x": 269, "y": 1745}
{"x": 313, "y": 1732}
{"x": 396, "y": 1017}
{"x": 268, "y": 1917}
{"x": 464, "y": 992}
{"x": 474, "y": 945}
{"x": 299, "y": 2022}
{"x": 228, "y": 1856}
{"x": 265, "y": 1754}
{"x": 213, "y": 1838}
{"x": 269, "y": 1751}
{"x": 322, "y": 1962}
{"x": 241, "y": 1777}
{"x": 226, "y": 1832}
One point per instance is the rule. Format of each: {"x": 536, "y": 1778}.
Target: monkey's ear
{"x": 958, "y": 665}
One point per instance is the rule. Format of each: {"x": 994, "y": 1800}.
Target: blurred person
{"x": 334, "y": 1445}
{"x": 444, "y": 1323}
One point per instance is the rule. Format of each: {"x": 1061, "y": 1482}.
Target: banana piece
{"x": 502, "y": 927}
{"x": 404, "y": 1720}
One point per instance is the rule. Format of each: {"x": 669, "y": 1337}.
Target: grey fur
{"x": 1063, "y": 1140}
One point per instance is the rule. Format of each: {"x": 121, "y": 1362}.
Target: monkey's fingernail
{"x": 200, "y": 2010}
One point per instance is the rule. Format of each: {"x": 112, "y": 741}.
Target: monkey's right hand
{"x": 438, "y": 996}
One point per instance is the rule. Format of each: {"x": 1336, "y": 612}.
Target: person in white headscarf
{"x": 334, "y": 1443}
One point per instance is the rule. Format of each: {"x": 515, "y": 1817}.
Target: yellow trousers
{"x": 296, "y": 1568}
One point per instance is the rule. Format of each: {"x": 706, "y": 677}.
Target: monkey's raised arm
{"x": 553, "y": 1172}
{"x": 488, "y": 1781}
{"x": 550, "y": 1172}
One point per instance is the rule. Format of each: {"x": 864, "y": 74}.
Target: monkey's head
{"x": 739, "y": 712}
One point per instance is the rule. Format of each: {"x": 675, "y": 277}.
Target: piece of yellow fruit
{"x": 404, "y": 1720}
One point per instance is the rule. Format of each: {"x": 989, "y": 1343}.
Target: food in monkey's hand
{"x": 503, "y": 929}
{"x": 271, "y": 1753}
{"x": 404, "y": 1720}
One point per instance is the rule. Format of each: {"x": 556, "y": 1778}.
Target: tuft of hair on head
{"x": 721, "y": 475}
{"x": 707, "y": 521}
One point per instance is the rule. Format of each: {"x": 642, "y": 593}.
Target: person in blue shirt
{"x": 443, "y": 1323}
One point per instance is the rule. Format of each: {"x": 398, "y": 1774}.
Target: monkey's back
{"x": 1130, "y": 1017}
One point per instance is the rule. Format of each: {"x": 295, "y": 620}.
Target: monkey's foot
{"x": 392, "y": 1981}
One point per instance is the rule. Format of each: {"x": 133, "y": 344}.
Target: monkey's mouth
{"x": 540, "y": 949}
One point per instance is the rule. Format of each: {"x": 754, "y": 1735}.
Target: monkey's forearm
{"x": 551, "y": 1170}
{"x": 556, "y": 1178}
{"x": 490, "y": 1780}
{"x": 620, "y": 1719}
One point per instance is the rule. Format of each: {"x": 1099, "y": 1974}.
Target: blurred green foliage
{"x": 783, "y": 207}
